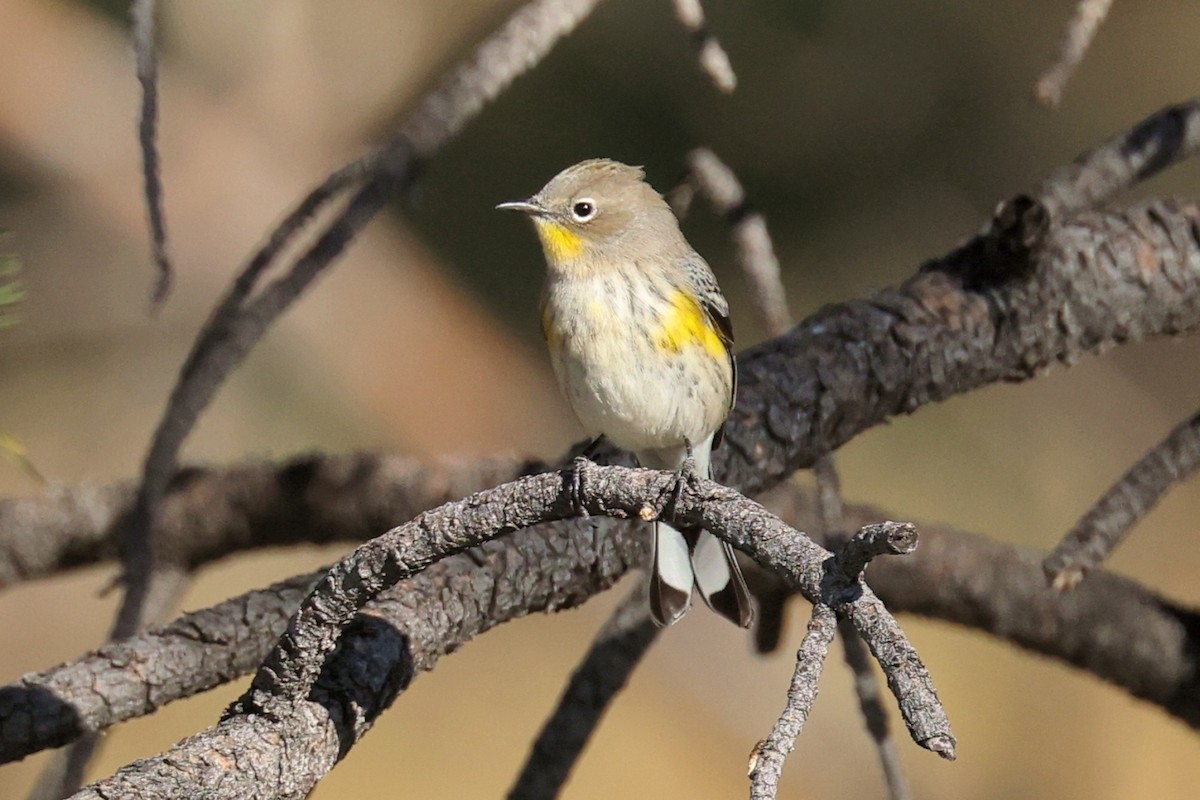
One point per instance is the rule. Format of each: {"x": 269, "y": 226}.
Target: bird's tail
{"x": 720, "y": 580}
{"x": 671, "y": 576}
{"x": 693, "y": 558}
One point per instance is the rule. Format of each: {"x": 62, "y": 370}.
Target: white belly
{"x": 619, "y": 382}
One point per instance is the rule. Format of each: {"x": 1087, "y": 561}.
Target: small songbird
{"x": 640, "y": 339}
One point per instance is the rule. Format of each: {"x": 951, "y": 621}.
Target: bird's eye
{"x": 583, "y": 210}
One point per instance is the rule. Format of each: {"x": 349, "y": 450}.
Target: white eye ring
{"x": 583, "y": 209}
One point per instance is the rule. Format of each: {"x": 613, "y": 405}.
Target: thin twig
{"x": 604, "y": 671}
{"x": 713, "y": 58}
{"x": 769, "y": 755}
{"x": 1089, "y": 16}
{"x": 830, "y": 509}
{"x": 142, "y": 12}
{"x": 1097, "y": 176}
{"x": 830, "y": 512}
{"x": 866, "y": 687}
{"x": 755, "y": 251}
{"x": 1125, "y": 503}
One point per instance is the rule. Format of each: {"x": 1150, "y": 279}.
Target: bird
{"x": 641, "y": 342}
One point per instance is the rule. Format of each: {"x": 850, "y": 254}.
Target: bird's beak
{"x": 526, "y": 206}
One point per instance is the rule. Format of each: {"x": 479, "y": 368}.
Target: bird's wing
{"x": 716, "y": 307}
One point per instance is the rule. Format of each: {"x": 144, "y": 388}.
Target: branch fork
{"x": 288, "y": 676}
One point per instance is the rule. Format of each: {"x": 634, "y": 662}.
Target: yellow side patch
{"x": 685, "y": 324}
{"x": 559, "y": 242}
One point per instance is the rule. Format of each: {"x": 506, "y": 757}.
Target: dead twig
{"x": 1125, "y": 503}
{"x": 713, "y": 58}
{"x": 1089, "y": 16}
{"x": 603, "y": 672}
{"x": 767, "y": 759}
{"x": 142, "y": 12}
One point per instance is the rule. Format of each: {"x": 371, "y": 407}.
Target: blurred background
{"x": 873, "y": 135}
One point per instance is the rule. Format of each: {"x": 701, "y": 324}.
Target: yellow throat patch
{"x": 559, "y": 242}
{"x": 686, "y": 323}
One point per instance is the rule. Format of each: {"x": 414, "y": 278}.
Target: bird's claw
{"x": 575, "y": 485}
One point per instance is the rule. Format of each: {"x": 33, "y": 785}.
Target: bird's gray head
{"x": 599, "y": 209}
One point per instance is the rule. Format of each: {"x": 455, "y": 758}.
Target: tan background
{"x": 874, "y": 135}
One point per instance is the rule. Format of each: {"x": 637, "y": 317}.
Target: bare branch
{"x": 831, "y": 514}
{"x": 1110, "y": 626}
{"x": 1162, "y": 139}
{"x": 928, "y": 721}
{"x": 866, "y": 687}
{"x": 766, "y": 762}
{"x": 142, "y": 12}
{"x": 293, "y": 686}
{"x": 1125, "y": 503}
{"x": 713, "y": 58}
{"x": 1097, "y": 280}
{"x": 1089, "y": 16}
{"x": 515, "y": 48}
{"x": 755, "y": 250}
{"x": 604, "y": 671}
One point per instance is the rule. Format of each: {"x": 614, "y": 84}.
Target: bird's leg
{"x": 589, "y": 452}
{"x": 686, "y": 475}
{"x": 575, "y": 482}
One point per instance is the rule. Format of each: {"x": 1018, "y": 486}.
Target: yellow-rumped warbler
{"x": 640, "y": 339}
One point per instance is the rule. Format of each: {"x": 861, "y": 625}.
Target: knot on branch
{"x": 843, "y": 582}
{"x": 1006, "y": 250}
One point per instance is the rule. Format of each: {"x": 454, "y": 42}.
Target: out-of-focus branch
{"x": 755, "y": 251}
{"x": 1089, "y": 16}
{"x": 602, "y": 673}
{"x": 1126, "y": 502}
{"x": 239, "y": 322}
{"x": 713, "y": 58}
{"x": 142, "y": 12}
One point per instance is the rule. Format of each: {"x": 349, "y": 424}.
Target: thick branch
{"x": 1098, "y": 280}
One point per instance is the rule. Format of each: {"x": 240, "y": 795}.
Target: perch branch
{"x": 295, "y": 688}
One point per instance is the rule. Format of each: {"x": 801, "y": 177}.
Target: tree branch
{"x": 1124, "y": 504}
{"x": 1089, "y": 16}
{"x": 602, "y": 673}
{"x": 292, "y": 686}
